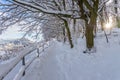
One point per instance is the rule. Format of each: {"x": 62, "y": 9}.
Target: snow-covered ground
{"x": 6, "y": 55}
{"x": 59, "y": 62}
{"x": 16, "y": 63}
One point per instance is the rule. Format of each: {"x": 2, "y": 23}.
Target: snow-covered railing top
{"x": 10, "y": 65}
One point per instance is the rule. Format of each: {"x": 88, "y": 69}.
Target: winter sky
{"x": 11, "y": 33}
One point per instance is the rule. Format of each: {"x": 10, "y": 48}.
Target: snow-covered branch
{"x": 38, "y": 8}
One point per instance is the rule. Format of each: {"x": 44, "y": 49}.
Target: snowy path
{"x": 44, "y": 68}
{"x": 61, "y": 63}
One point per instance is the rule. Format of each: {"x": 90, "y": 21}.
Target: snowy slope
{"x": 59, "y": 62}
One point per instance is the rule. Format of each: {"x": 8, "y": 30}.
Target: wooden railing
{"x": 21, "y": 57}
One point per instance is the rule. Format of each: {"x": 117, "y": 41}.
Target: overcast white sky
{"x": 14, "y": 33}
{"x": 11, "y": 33}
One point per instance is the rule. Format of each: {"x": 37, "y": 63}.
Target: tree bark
{"x": 68, "y": 34}
{"x": 90, "y": 31}
{"x": 64, "y": 34}
{"x": 89, "y": 36}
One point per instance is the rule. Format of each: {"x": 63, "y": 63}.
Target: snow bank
{"x": 4, "y": 69}
{"x": 59, "y": 62}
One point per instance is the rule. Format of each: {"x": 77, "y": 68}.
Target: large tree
{"x": 86, "y": 10}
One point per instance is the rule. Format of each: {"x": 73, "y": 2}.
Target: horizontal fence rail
{"x": 21, "y": 57}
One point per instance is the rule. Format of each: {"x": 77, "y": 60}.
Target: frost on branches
{"x": 33, "y": 14}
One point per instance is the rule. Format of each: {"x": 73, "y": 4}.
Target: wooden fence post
{"x": 23, "y": 63}
{"x": 43, "y": 48}
{"x": 38, "y": 52}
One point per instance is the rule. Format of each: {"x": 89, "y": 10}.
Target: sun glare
{"x": 108, "y": 25}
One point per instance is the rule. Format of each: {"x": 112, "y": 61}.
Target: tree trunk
{"x": 64, "y": 34}
{"x": 90, "y": 26}
{"x": 89, "y": 36}
{"x": 68, "y": 34}
{"x": 95, "y": 30}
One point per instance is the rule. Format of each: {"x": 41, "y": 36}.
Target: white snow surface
{"x": 59, "y": 62}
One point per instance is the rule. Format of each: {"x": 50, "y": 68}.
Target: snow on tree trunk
{"x": 90, "y": 26}
{"x": 68, "y": 34}
{"x": 89, "y": 36}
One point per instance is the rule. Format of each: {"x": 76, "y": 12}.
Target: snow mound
{"x": 59, "y": 62}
